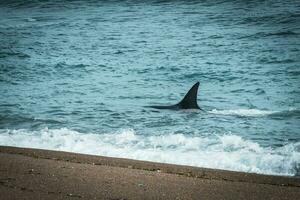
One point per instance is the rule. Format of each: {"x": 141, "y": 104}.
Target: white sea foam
{"x": 229, "y": 152}
{"x": 243, "y": 112}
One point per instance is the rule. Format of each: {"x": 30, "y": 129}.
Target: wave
{"x": 23, "y": 119}
{"x": 260, "y": 35}
{"x": 4, "y": 54}
{"x": 229, "y": 152}
{"x": 292, "y": 112}
{"x": 243, "y": 112}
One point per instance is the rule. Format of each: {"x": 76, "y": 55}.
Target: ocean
{"x": 78, "y": 76}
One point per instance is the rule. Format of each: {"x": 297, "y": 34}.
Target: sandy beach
{"x": 42, "y": 174}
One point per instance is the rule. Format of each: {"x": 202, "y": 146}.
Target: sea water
{"x": 77, "y": 76}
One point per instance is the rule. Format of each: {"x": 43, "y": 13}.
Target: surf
{"x": 228, "y": 151}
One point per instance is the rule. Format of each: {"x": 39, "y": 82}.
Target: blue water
{"x": 77, "y": 75}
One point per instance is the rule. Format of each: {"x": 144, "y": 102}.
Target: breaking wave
{"x": 242, "y": 112}
{"x": 257, "y": 113}
{"x": 229, "y": 152}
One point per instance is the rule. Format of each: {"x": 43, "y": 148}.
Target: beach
{"x": 42, "y": 174}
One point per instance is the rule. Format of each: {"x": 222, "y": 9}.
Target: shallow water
{"x": 76, "y": 76}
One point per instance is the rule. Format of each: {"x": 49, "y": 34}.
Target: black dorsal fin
{"x": 190, "y": 99}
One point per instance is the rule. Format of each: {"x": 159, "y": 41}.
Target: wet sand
{"x": 42, "y": 174}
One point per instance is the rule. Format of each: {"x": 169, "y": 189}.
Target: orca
{"x": 188, "y": 102}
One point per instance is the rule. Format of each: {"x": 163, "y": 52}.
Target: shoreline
{"x": 27, "y": 172}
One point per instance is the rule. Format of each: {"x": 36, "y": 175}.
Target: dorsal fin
{"x": 190, "y": 99}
